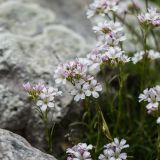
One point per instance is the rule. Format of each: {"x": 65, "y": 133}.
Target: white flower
{"x": 92, "y": 88}
{"x": 150, "y": 18}
{"x": 144, "y": 96}
{"x": 95, "y": 61}
{"x": 138, "y": 57}
{"x": 113, "y": 39}
{"x": 79, "y": 152}
{"x": 108, "y": 27}
{"x": 60, "y": 75}
{"x": 111, "y": 33}
{"x": 120, "y": 144}
{"x": 124, "y": 59}
{"x": 113, "y": 150}
{"x": 151, "y": 54}
{"x": 78, "y": 92}
{"x": 158, "y": 120}
{"x": 152, "y": 96}
{"x": 152, "y": 107}
{"x": 47, "y": 98}
{"x": 115, "y": 55}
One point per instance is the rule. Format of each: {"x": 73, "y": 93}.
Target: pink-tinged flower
{"x": 33, "y": 90}
{"x": 79, "y": 152}
{"x": 27, "y": 87}
{"x": 150, "y": 19}
{"x": 113, "y": 150}
{"x": 102, "y": 7}
{"x": 47, "y": 98}
{"x": 39, "y": 87}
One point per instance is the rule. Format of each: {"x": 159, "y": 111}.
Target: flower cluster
{"x": 102, "y": 7}
{"x": 110, "y": 36}
{"x": 43, "y": 95}
{"x": 150, "y": 54}
{"x": 77, "y": 73}
{"x": 71, "y": 71}
{"x": 150, "y": 19}
{"x": 79, "y": 152}
{"x": 113, "y": 150}
{"x": 33, "y": 90}
{"x": 106, "y": 55}
{"x": 152, "y": 96}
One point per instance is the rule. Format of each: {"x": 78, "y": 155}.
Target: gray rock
{"x": 12, "y": 109}
{"x": 14, "y": 147}
{"x": 34, "y": 59}
{"x": 71, "y": 13}
{"x": 30, "y": 48}
{"x": 24, "y": 19}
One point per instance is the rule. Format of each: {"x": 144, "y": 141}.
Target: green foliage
{"x": 156, "y": 1}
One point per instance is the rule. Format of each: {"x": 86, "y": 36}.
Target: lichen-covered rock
{"x": 31, "y": 46}
{"x": 24, "y": 18}
{"x": 14, "y": 147}
{"x": 33, "y": 59}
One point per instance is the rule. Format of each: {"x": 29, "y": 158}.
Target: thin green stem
{"x": 120, "y": 98}
{"x": 158, "y": 144}
{"x": 144, "y": 67}
{"x": 99, "y": 131}
{"x": 48, "y": 131}
{"x": 146, "y": 2}
{"x": 107, "y": 87}
{"x": 158, "y": 139}
{"x": 155, "y": 40}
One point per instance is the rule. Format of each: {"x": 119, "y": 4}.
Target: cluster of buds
{"x": 150, "y": 54}
{"x": 152, "y": 96}
{"x": 76, "y": 73}
{"x": 150, "y": 19}
{"x": 79, "y": 152}
{"x": 44, "y": 96}
{"x": 113, "y": 150}
{"x": 33, "y": 90}
{"x": 102, "y": 7}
